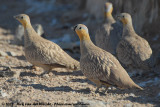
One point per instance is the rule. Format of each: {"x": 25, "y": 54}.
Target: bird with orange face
{"x": 99, "y": 66}
{"x": 109, "y": 33}
{"x": 133, "y": 51}
{"x": 42, "y": 52}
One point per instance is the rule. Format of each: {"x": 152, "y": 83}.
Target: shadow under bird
{"x": 109, "y": 34}
{"x": 133, "y": 51}
{"x": 99, "y": 66}
{"x": 42, "y": 52}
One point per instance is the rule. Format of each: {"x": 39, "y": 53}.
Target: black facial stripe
{"x": 74, "y": 28}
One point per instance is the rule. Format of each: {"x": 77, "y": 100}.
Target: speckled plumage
{"x": 133, "y": 50}
{"x": 109, "y": 34}
{"x": 44, "y": 53}
{"x": 100, "y": 66}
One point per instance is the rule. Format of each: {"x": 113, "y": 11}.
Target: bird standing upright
{"x": 133, "y": 51}
{"x": 109, "y": 34}
{"x": 99, "y": 66}
{"x": 42, "y": 52}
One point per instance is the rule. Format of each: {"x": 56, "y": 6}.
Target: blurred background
{"x": 58, "y": 16}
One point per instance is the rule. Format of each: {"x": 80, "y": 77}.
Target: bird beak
{"x": 16, "y": 17}
{"x": 118, "y": 17}
{"x": 74, "y": 27}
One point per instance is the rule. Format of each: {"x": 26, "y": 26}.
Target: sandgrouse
{"x": 133, "y": 51}
{"x": 109, "y": 34}
{"x": 99, "y": 66}
{"x": 42, "y": 52}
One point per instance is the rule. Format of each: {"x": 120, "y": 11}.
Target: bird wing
{"x": 132, "y": 48}
{"x": 99, "y": 66}
{"x": 50, "y": 53}
{"x": 106, "y": 68}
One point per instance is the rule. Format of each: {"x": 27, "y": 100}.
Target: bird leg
{"x": 35, "y": 68}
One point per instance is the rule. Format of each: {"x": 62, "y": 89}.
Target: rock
{"x": 11, "y": 53}
{"x": 19, "y": 34}
{"x": 7, "y": 73}
{"x": 3, "y": 94}
{"x": 45, "y": 76}
{"x": 3, "y": 54}
{"x": 131, "y": 94}
{"x": 127, "y": 105}
{"x": 92, "y": 103}
{"x": 27, "y": 80}
{"x": 14, "y": 80}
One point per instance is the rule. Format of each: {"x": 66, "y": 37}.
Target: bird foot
{"x": 35, "y": 68}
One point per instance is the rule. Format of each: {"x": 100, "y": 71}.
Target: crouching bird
{"x": 133, "y": 50}
{"x": 99, "y": 66}
{"x": 42, "y": 52}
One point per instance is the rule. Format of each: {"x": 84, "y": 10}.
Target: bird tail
{"x": 138, "y": 87}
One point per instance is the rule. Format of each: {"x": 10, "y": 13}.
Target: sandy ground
{"x": 20, "y": 84}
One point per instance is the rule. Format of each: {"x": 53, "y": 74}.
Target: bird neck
{"x": 108, "y": 17}
{"x": 128, "y": 29}
{"x": 83, "y": 35}
{"x": 86, "y": 46}
{"x": 29, "y": 35}
{"x": 25, "y": 23}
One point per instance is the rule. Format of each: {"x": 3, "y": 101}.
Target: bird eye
{"x": 80, "y": 27}
{"x": 123, "y": 16}
{"x": 21, "y": 17}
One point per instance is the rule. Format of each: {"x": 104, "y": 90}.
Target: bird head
{"x": 82, "y": 31}
{"x": 125, "y": 18}
{"x": 23, "y": 19}
{"x": 108, "y": 8}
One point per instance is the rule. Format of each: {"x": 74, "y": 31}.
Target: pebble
{"x": 131, "y": 94}
{"x": 27, "y": 79}
{"x": 15, "y": 80}
{"x": 11, "y": 53}
{"x": 45, "y": 76}
{"x": 128, "y": 105}
{"x": 7, "y": 73}
{"x": 3, "y": 94}
{"x": 3, "y": 53}
{"x": 93, "y": 103}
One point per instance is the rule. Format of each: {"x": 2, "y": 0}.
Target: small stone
{"x": 3, "y": 53}
{"x": 131, "y": 94}
{"x": 14, "y": 80}
{"x": 16, "y": 74}
{"x": 6, "y": 73}
{"x": 93, "y": 103}
{"x": 68, "y": 79}
{"x": 3, "y": 94}
{"x": 128, "y": 105}
{"x": 27, "y": 79}
{"x": 11, "y": 53}
{"x": 45, "y": 76}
